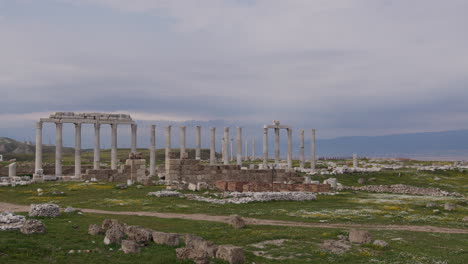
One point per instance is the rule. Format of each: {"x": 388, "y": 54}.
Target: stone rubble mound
{"x": 249, "y": 197}
{"x": 11, "y": 221}
{"x": 166, "y": 194}
{"x": 44, "y": 210}
{"x": 401, "y": 189}
{"x": 33, "y": 226}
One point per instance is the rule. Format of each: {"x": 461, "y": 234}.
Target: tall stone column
{"x": 265, "y": 147}
{"x": 212, "y": 145}
{"x": 355, "y": 160}
{"x": 58, "y": 149}
{"x": 168, "y": 145}
{"x": 239, "y": 146}
{"x": 78, "y": 150}
{"x": 38, "y": 163}
{"x": 152, "y": 150}
{"x": 182, "y": 141}
{"x": 290, "y": 165}
{"x": 134, "y": 137}
{"x": 277, "y": 146}
{"x": 97, "y": 146}
{"x": 246, "y": 150}
{"x": 231, "y": 149}
{"x": 114, "y": 146}
{"x": 301, "y": 149}
{"x": 226, "y": 148}
{"x": 312, "y": 150}
{"x": 253, "y": 148}
{"x": 198, "y": 142}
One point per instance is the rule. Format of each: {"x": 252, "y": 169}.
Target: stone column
{"x": 58, "y": 149}
{"x": 212, "y": 145}
{"x": 355, "y": 160}
{"x": 12, "y": 170}
{"x": 301, "y": 149}
{"x": 239, "y": 146}
{"x": 231, "y": 149}
{"x": 134, "y": 138}
{"x": 265, "y": 147}
{"x": 253, "y": 148}
{"x": 246, "y": 150}
{"x": 97, "y": 146}
{"x": 114, "y": 146}
{"x": 277, "y": 146}
{"x": 152, "y": 150}
{"x": 312, "y": 150}
{"x": 226, "y": 148}
{"x": 78, "y": 150}
{"x": 182, "y": 141}
{"x": 198, "y": 142}
{"x": 168, "y": 145}
{"x": 38, "y": 164}
{"x": 290, "y": 165}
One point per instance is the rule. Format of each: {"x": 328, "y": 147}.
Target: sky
{"x": 345, "y": 67}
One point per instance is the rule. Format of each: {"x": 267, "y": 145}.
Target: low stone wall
{"x": 270, "y": 187}
{"x": 121, "y": 175}
{"x": 49, "y": 169}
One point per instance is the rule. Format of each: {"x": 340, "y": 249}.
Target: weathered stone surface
{"x": 44, "y": 210}
{"x": 95, "y": 230}
{"x": 359, "y": 236}
{"x": 380, "y": 243}
{"x": 449, "y": 207}
{"x": 201, "y": 246}
{"x": 109, "y": 223}
{"x": 33, "y": 226}
{"x": 11, "y": 221}
{"x": 139, "y": 234}
{"x": 69, "y": 209}
{"x": 189, "y": 253}
{"x": 236, "y": 221}
{"x": 114, "y": 235}
{"x": 231, "y": 253}
{"x": 169, "y": 239}
{"x": 336, "y": 246}
{"x": 130, "y": 246}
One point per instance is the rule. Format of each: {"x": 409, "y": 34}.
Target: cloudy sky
{"x": 345, "y": 67}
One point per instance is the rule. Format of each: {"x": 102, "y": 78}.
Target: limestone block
{"x": 130, "y": 246}
{"x": 359, "y": 236}
{"x": 139, "y": 234}
{"x": 230, "y": 253}
{"x": 169, "y": 239}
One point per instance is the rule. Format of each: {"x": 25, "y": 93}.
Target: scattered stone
{"x": 192, "y": 187}
{"x": 449, "y": 206}
{"x": 189, "y": 253}
{"x": 342, "y": 237}
{"x": 436, "y": 211}
{"x": 277, "y": 242}
{"x": 11, "y": 221}
{"x": 465, "y": 219}
{"x": 249, "y": 197}
{"x": 236, "y": 221}
{"x": 336, "y": 246}
{"x": 166, "y": 194}
{"x": 139, "y": 234}
{"x": 169, "y": 239}
{"x": 44, "y": 210}
{"x": 430, "y": 205}
{"x": 33, "y": 226}
{"x": 401, "y": 189}
{"x": 203, "y": 247}
{"x": 139, "y": 186}
{"x": 361, "y": 181}
{"x": 436, "y": 179}
{"x": 231, "y": 253}
{"x": 114, "y": 235}
{"x": 130, "y": 246}
{"x": 109, "y": 223}
{"x": 359, "y": 236}
{"x": 95, "y": 230}
{"x": 122, "y": 186}
{"x": 69, "y": 209}
{"x": 380, "y": 243}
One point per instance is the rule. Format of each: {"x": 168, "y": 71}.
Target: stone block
{"x": 230, "y": 253}
{"x": 169, "y": 239}
{"x": 130, "y": 246}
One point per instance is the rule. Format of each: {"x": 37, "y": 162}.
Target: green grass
{"x": 69, "y": 231}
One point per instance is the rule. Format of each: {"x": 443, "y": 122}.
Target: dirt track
{"x": 254, "y": 221}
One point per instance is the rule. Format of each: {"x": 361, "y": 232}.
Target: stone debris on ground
{"x": 249, "y": 197}
{"x": 380, "y": 243}
{"x": 236, "y": 221}
{"x": 11, "y": 221}
{"x": 336, "y": 246}
{"x": 94, "y": 230}
{"x": 166, "y": 194}
{"x": 130, "y": 246}
{"x": 114, "y": 235}
{"x": 231, "y": 254}
{"x": 69, "y": 209}
{"x": 14, "y": 181}
{"x": 449, "y": 206}
{"x": 44, "y": 210}
{"x": 139, "y": 234}
{"x": 401, "y": 189}
{"x": 33, "y": 226}
{"x": 169, "y": 239}
{"x": 359, "y": 236}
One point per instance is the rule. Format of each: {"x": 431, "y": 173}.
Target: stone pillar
{"x": 168, "y": 145}
{"x": 246, "y": 150}
{"x": 277, "y": 146}
{"x": 134, "y": 138}
{"x": 97, "y": 146}
{"x": 198, "y": 142}
{"x": 12, "y": 170}
{"x": 290, "y": 165}
{"x": 182, "y": 141}
{"x": 114, "y": 146}
{"x": 58, "y": 149}
{"x": 312, "y": 150}
{"x": 301, "y": 149}
{"x": 253, "y": 148}
{"x": 152, "y": 150}
{"x": 265, "y": 147}
{"x": 212, "y": 145}
{"x": 38, "y": 164}
{"x": 239, "y": 146}
{"x": 355, "y": 160}
{"x": 78, "y": 150}
{"x": 226, "y": 148}
{"x": 231, "y": 150}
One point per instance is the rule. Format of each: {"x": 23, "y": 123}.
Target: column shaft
{"x": 134, "y": 137}
{"x": 312, "y": 150}
{"x": 253, "y": 148}
{"x": 212, "y": 145}
{"x": 114, "y": 146}
{"x": 277, "y": 146}
{"x": 168, "y": 145}
{"x": 290, "y": 166}
{"x": 198, "y": 142}
{"x": 246, "y": 150}
{"x": 182, "y": 141}
{"x": 239, "y": 146}
{"x": 265, "y": 147}
{"x": 231, "y": 150}
{"x": 355, "y": 160}
{"x": 226, "y": 148}
{"x": 38, "y": 163}
{"x": 152, "y": 150}
{"x": 78, "y": 150}
{"x": 58, "y": 149}
{"x": 301, "y": 149}
{"x": 97, "y": 147}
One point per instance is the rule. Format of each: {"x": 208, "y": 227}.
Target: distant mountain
{"x": 11, "y": 146}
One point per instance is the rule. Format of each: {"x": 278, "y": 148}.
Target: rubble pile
{"x": 401, "y": 189}
{"x": 166, "y": 194}
{"x": 249, "y": 197}
{"x": 11, "y": 221}
{"x": 13, "y": 181}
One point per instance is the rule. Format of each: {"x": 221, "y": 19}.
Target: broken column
{"x": 134, "y": 137}
{"x": 97, "y": 147}
{"x": 312, "y": 150}
{"x": 239, "y": 146}
{"x": 38, "y": 164}
{"x": 265, "y": 147}
{"x": 114, "y": 146}
{"x": 289, "y": 130}
{"x": 355, "y": 160}
{"x": 301, "y": 149}
{"x": 152, "y": 150}
{"x": 212, "y": 145}
{"x": 58, "y": 149}
{"x": 78, "y": 150}
{"x": 198, "y": 143}
{"x": 182, "y": 141}
{"x": 12, "y": 170}
{"x": 226, "y": 148}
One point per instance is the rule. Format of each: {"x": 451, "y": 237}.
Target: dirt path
{"x": 254, "y": 221}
